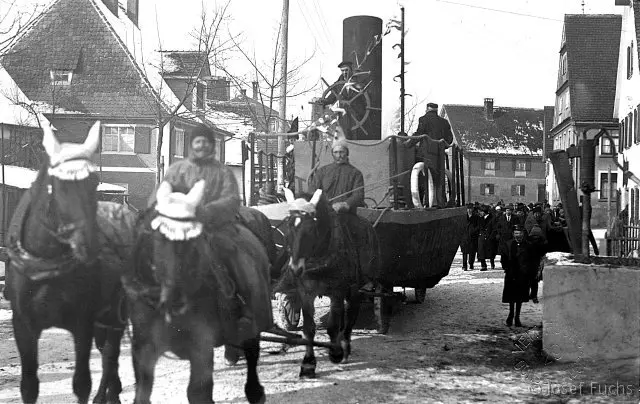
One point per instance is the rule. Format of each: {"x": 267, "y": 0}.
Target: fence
{"x": 624, "y": 241}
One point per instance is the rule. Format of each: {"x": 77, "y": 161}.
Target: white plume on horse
{"x": 300, "y": 204}
{"x": 177, "y": 212}
{"x": 61, "y": 152}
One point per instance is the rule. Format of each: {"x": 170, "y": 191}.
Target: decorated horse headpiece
{"x": 301, "y": 205}
{"x": 176, "y": 218}
{"x": 70, "y": 161}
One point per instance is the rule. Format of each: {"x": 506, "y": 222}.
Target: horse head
{"x": 177, "y": 235}
{"x": 64, "y": 194}
{"x": 309, "y": 228}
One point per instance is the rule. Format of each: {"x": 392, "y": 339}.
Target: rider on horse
{"x": 217, "y": 211}
{"x": 343, "y": 185}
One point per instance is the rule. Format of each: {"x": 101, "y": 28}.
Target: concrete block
{"x": 591, "y": 312}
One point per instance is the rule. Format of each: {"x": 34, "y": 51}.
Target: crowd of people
{"x": 520, "y": 234}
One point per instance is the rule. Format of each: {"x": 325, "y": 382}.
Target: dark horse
{"x": 180, "y": 296}
{"x": 55, "y": 276}
{"x": 330, "y": 254}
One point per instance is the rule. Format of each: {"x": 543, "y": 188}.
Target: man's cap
{"x": 537, "y": 208}
{"x": 432, "y": 105}
{"x": 471, "y": 206}
{"x": 498, "y": 207}
{"x": 518, "y": 227}
{"x": 339, "y": 143}
{"x": 346, "y": 63}
{"x": 202, "y": 130}
{"x": 509, "y": 206}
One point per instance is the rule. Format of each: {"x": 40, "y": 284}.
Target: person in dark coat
{"x": 517, "y": 268}
{"x": 504, "y": 229}
{"x": 433, "y": 150}
{"x": 486, "y": 239}
{"x": 346, "y": 88}
{"x": 469, "y": 243}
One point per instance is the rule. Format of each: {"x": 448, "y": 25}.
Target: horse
{"x": 58, "y": 274}
{"x": 329, "y": 255}
{"x": 180, "y": 296}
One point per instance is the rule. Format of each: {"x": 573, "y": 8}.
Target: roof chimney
{"x": 243, "y": 91}
{"x": 255, "y": 90}
{"x": 132, "y": 11}
{"x": 488, "y": 109}
{"x": 112, "y": 5}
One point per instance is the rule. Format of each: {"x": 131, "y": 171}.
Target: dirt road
{"x": 454, "y": 348}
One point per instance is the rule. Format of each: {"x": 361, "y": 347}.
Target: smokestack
{"x": 255, "y": 90}
{"x": 488, "y": 109}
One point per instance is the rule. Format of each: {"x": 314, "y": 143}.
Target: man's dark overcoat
{"x": 487, "y": 246}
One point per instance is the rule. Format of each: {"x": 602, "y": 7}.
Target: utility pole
{"x": 402, "y": 94}
{"x": 283, "y": 91}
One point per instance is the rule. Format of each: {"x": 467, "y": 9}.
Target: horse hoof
{"x": 346, "y": 348}
{"x": 336, "y": 356}
{"x": 307, "y": 373}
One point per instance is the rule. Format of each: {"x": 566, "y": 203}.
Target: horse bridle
{"x": 303, "y": 216}
{"x": 63, "y": 231}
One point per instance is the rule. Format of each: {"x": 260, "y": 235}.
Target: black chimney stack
{"x": 488, "y": 109}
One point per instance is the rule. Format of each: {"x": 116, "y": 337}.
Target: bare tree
{"x": 266, "y": 73}
{"x": 15, "y": 20}
{"x": 167, "y": 106}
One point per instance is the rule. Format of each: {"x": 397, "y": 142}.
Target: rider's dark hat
{"x": 432, "y": 105}
{"x": 202, "y": 130}
{"x": 346, "y": 63}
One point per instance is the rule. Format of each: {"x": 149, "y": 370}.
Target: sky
{"x": 460, "y": 51}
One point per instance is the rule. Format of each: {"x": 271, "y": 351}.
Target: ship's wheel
{"x": 356, "y": 102}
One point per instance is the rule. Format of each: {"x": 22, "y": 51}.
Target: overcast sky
{"x": 460, "y": 51}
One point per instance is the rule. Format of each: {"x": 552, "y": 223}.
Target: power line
{"x": 311, "y": 23}
{"x": 312, "y": 28}
{"x": 501, "y": 11}
{"x": 323, "y": 23}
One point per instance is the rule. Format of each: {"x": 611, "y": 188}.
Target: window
{"x": 490, "y": 164}
{"x": 521, "y": 165}
{"x": 563, "y": 64}
{"x": 273, "y": 124}
{"x": 605, "y": 145}
{"x": 60, "y": 77}
{"x": 604, "y": 185}
{"x": 199, "y": 96}
{"x": 566, "y": 106}
{"x": 118, "y": 139}
{"x": 517, "y": 190}
{"x": 636, "y": 139}
{"x": 487, "y": 189}
{"x": 179, "y": 143}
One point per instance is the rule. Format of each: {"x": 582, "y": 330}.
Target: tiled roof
{"x": 593, "y": 43}
{"x": 512, "y": 130}
{"x": 185, "y": 63}
{"x": 106, "y": 81}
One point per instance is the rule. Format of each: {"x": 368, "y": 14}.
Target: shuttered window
{"x": 142, "y": 140}
{"x": 118, "y": 139}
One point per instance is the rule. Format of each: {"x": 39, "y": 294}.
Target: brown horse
{"x": 180, "y": 296}
{"x": 330, "y": 254}
{"x": 55, "y": 277}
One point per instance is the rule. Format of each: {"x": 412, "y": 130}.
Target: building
{"x": 502, "y": 151}
{"x": 627, "y": 103}
{"x": 585, "y": 95}
{"x": 83, "y": 61}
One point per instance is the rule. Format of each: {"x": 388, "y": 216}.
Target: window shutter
{"x": 528, "y": 165}
{"x": 513, "y": 190}
{"x": 497, "y": 164}
{"x": 515, "y": 164}
{"x": 482, "y": 163}
{"x": 482, "y": 188}
{"x": 142, "y": 140}
{"x": 623, "y": 141}
{"x": 523, "y": 191}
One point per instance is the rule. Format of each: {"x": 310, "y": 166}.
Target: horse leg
{"x": 108, "y": 343}
{"x": 253, "y": 390}
{"x": 145, "y": 352}
{"x": 200, "y": 389}
{"x": 335, "y": 326}
{"x": 308, "y": 368}
{"x": 82, "y": 340}
{"x": 352, "y": 310}
{"x": 27, "y": 341}
{"x": 231, "y": 355}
